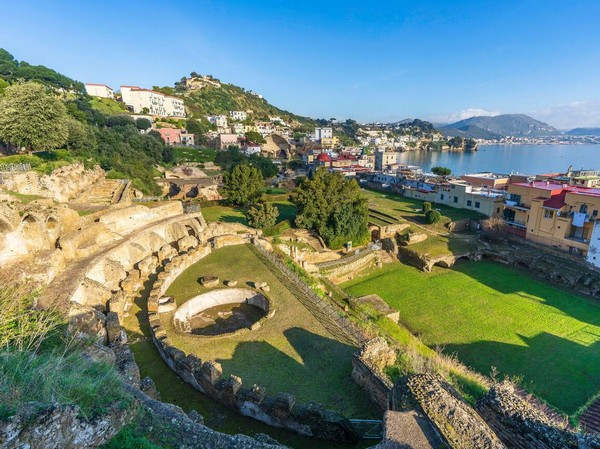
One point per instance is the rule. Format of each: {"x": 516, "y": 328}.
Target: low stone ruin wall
{"x": 280, "y": 411}
{"x": 217, "y": 297}
{"x": 367, "y": 370}
{"x": 458, "y": 423}
{"x": 522, "y": 424}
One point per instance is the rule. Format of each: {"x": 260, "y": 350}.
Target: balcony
{"x": 578, "y": 239}
{"x": 517, "y": 223}
{"x": 514, "y": 205}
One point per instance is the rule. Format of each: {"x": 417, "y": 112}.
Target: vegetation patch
{"x": 491, "y": 315}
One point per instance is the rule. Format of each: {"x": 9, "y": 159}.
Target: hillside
{"x": 584, "y": 132}
{"x": 217, "y": 98}
{"x": 475, "y": 132}
{"x": 516, "y": 125}
{"x": 12, "y": 70}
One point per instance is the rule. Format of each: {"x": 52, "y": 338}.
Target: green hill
{"x": 12, "y": 70}
{"x": 218, "y": 98}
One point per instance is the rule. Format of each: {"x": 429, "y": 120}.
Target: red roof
{"x": 556, "y": 201}
{"x": 323, "y": 157}
{"x": 545, "y": 185}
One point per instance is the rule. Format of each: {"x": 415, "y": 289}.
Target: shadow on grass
{"x": 566, "y": 372}
{"x": 323, "y": 373}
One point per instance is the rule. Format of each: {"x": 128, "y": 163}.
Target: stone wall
{"x": 367, "y": 370}
{"x": 207, "y": 377}
{"x": 62, "y": 185}
{"x": 458, "y": 423}
{"x": 521, "y": 423}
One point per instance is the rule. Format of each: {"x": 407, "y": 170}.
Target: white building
{"x": 593, "y": 254}
{"x": 150, "y": 102}
{"x": 219, "y": 120}
{"x": 238, "y": 115}
{"x": 322, "y": 133}
{"x": 99, "y": 90}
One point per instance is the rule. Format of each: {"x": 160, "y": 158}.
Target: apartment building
{"x": 238, "y": 115}
{"x": 322, "y": 133}
{"x": 219, "y": 120}
{"x": 559, "y": 215}
{"x": 486, "y": 180}
{"x": 99, "y": 90}
{"x": 147, "y": 101}
{"x": 384, "y": 159}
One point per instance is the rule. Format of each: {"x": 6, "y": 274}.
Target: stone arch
{"x": 521, "y": 264}
{"x": 443, "y": 264}
{"x": 29, "y": 227}
{"x": 190, "y": 230}
{"x": 51, "y": 223}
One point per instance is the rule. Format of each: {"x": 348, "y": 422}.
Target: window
{"x": 469, "y": 203}
{"x": 442, "y": 196}
{"x": 456, "y": 199}
{"x": 452, "y": 186}
{"x": 583, "y": 209}
{"x": 477, "y": 204}
{"x": 548, "y": 214}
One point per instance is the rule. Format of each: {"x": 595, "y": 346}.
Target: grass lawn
{"x": 189, "y": 154}
{"x": 405, "y": 208}
{"x": 108, "y": 106}
{"x": 493, "y": 315}
{"x": 174, "y": 391}
{"x": 291, "y": 352}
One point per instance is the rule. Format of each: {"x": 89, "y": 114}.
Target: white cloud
{"x": 462, "y": 115}
{"x": 584, "y": 114}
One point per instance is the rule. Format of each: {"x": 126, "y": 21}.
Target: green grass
{"x": 227, "y": 214}
{"x": 108, "y": 106}
{"x": 403, "y": 208}
{"x": 494, "y": 315}
{"x": 173, "y": 390}
{"x": 187, "y": 154}
{"x": 23, "y": 198}
{"x": 291, "y": 352}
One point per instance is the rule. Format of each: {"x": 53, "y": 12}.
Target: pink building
{"x": 171, "y": 136}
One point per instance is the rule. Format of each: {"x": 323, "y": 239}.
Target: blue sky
{"x": 384, "y": 61}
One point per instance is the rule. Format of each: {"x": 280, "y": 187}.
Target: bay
{"x": 529, "y": 159}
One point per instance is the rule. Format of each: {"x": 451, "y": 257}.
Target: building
{"x": 99, "y": 90}
{"x": 559, "y": 215}
{"x": 486, "y": 180}
{"x": 238, "y": 115}
{"x": 238, "y": 128}
{"x": 174, "y": 136}
{"x": 460, "y": 194}
{"x": 265, "y": 128}
{"x": 330, "y": 142}
{"x": 322, "y": 133}
{"x": 145, "y": 101}
{"x": 219, "y": 120}
{"x": 224, "y": 141}
{"x": 385, "y": 159}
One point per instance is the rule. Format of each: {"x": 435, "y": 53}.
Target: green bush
{"x": 426, "y": 207}
{"x": 433, "y": 216}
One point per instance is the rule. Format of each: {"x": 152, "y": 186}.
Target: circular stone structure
{"x": 222, "y": 311}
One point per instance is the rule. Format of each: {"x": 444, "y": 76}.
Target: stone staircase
{"x": 104, "y": 193}
{"x": 590, "y": 420}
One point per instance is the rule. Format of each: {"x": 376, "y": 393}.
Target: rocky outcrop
{"x": 59, "y": 426}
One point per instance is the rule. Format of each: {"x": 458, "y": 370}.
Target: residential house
{"x": 238, "y": 115}
{"x": 219, "y": 120}
{"x": 559, "y": 215}
{"x": 238, "y": 128}
{"x": 224, "y": 141}
{"x": 147, "y": 101}
{"x": 171, "y": 136}
{"x": 99, "y": 90}
{"x": 486, "y": 180}
{"x": 322, "y": 133}
{"x": 330, "y": 142}
{"x": 265, "y": 128}
{"x": 385, "y": 159}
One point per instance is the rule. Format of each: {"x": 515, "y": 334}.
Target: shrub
{"x": 262, "y": 215}
{"x": 433, "y": 216}
{"x": 426, "y": 207}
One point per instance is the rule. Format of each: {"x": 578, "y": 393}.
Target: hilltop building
{"x": 219, "y": 120}
{"x": 322, "y": 133}
{"x": 147, "y": 101}
{"x": 174, "y": 136}
{"x": 99, "y": 90}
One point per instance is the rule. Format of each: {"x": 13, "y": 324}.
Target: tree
{"x": 254, "y": 136}
{"x": 120, "y": 120}
{"x": 262, "y": 215}
{"x": 32, "y": 118}
{"x": 244, "y": 185}
{"x": 433, "y": 216}
{"x": 441, "y": 171}
{"x": 143, "y": 124}
{"x": 331, "y": 205}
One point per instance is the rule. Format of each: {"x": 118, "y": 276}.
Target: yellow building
{"x": 330, "y": 142}
{"x": 558, "y": 215}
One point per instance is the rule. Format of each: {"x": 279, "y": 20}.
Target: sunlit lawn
{"x": 493, "y": 315}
